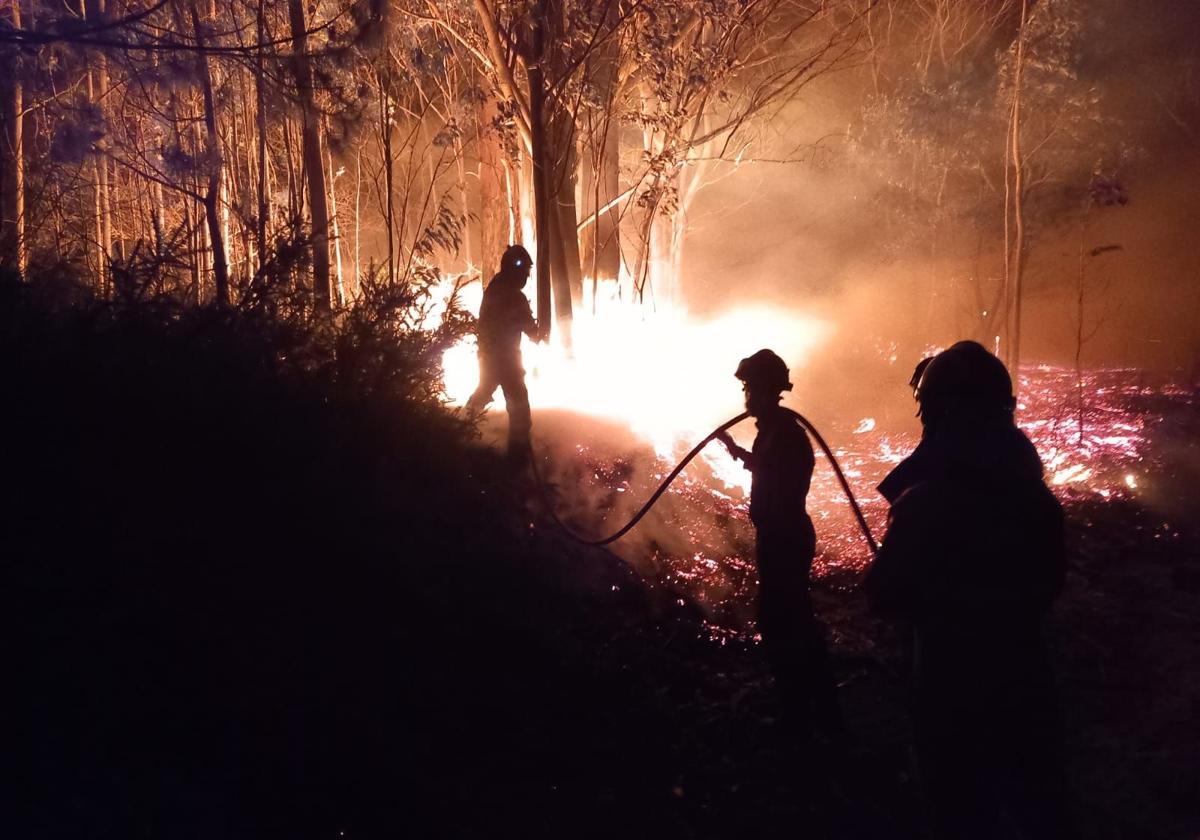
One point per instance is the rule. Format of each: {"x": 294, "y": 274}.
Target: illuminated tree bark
{"x": 1014, "y": 262}
{"x": 104, "y": 197}
{"x": 313, "y": 165}
{"x": 493, "y": 198}
{"x": 214, "y": 164}
{"x": 263, "y": 215}
{"x": 568, "y": 279}
{"x": 337, "y": 236}
{"x": 540, "y": 155}
{"x": 12, "y": 161}
{"x": 600, "y": 242}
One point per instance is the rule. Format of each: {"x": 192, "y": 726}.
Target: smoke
{"x": 848, "y": 234}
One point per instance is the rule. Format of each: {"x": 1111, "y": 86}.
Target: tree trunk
{"x": 560, "y": 273}
{"x": 12, "y": 157}
{"x": 566, "y": 219}
{"x": 540, "y": 153}
{"x": 518, "y": 183}
{"x": 357, "y": 218}
{"x": 99, "y": 250}
{"x": 337, "y": 237}
{"x": 493, "y": 201}
{"x": 1079, "y": 310}
{"x": 385, "y": 128}
{"x": 600, "y": 242}
{"x": 311, "y": 142}
{"x": 262, "y": 220}
{"x": 212, "y": 157}
{"x": 1017, "y": 261}
{"x": 601, "y": 173}
{"x": 102, "y": 175}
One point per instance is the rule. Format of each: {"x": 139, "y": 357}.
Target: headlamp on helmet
{"x": 515, "y": 256}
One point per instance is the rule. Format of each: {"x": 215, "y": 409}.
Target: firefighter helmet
{"x": 964, "y": 378}
{"x": 515, "y": 256}
{"x": 764, "y": 369}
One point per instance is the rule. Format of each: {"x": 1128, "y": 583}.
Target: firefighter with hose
{"x": 781, "y": 462}
{"x": 504, "y": 315}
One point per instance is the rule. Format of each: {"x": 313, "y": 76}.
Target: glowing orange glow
{"x": 664, "y": 372}
{"x": 667, "y": 375}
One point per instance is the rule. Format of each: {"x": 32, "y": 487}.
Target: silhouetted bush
{"x": 266, "y": 585}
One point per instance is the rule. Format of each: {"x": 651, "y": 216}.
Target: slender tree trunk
{"x": 102, "y": 173}
{"x": 311, "y": 141}
{"x": 600, "y": 243}
{"x": 540, "y": 153}
{"x": 494, "y": 232}
{"x": 471, "y": 244}
{"x": 357, "y": 216}
{"x": 518, "y": 185}
{"x": 566, "y": 217}
{"x": 262, "y": 217}
{"x": 389, "y": 161}
{"x": 295, "y": 200}
{"x": 1016, "y": 263}
{"x": 560, "y": 273}
{"x": 99, "y": 250}
{"x": 1079, "y": 301}
{"x": 193, "y": 240}
{"x": 247, "y": 189}
{"x": 337, "y": 237}
{"x": 601, "y": 175}
{"x": 12, "y": 233}
{"x": 159, "y": 221}
{"x": 215, "y": 165}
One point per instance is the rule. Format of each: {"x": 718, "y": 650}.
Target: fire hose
{"x": 662, "y": 488}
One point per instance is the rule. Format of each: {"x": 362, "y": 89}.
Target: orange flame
{"x": 666, "y": 373}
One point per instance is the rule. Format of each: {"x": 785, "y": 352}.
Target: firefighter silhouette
{"x": 781, "y": 462}
{"x": 504, "y": 315}
{"x": 972, "y": 559}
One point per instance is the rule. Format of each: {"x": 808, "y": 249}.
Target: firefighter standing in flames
{"x": 504, "y": 315}
{"x": 781, "y": 462}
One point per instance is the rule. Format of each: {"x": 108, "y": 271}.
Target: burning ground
{"x": 1097, "y": 433}
{"x": 1123, "y": 632}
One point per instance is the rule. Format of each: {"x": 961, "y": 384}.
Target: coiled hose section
{"x": 662, "y": 488}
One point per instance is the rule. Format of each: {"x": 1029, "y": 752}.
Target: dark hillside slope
{"x": 245, "y": 606}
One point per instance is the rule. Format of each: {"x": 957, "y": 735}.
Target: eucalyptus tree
{"x": 633, "y": 100}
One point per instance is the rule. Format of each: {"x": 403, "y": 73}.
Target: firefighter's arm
{"x": 740, "y": 453}
{"x": 892, "y": 583}
{"x": 529, "y": 324}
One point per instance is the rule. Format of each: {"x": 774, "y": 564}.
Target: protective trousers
{"x": 989, "y": 741}
{"x": 792, "y": 636}
{"x": 509, "y": 376}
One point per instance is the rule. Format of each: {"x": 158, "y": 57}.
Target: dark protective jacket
{"x": 503, "y": 315}
{"x": 781, "y": 464}
{"x": 975, "y": 538}
{"x": 972, "y": 559}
